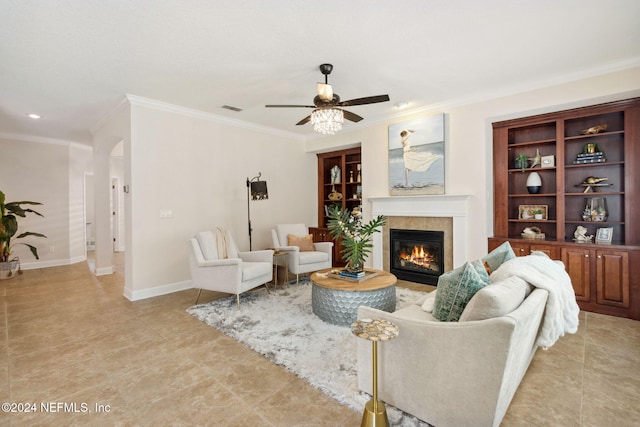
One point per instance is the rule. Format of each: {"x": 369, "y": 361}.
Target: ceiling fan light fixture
{"x": 327, "y": 121}
{"x": 325, "y": 92}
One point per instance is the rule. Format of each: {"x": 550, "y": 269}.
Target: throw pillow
{"x": 496, "y": 299}
{"x": 496, "y": 257}
{"x": 427, "y": 304}
{"x": 456, "y": 288}
{"x": 304, "y": 243}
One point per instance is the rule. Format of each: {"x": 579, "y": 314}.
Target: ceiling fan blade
{"x": 304, "y": 121}
{"x": 325, "y": 92}
{"x": 290, "y": 106}
{"x": 350, "y": 116}
{"x": 363, "y": 101}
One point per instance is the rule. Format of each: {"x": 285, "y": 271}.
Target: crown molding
{"x": 44, "y": 140}
{"x": 105, "y": 118}
{"x": 202, "y": 115}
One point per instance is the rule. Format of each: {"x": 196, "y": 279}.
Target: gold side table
{"x": 374, "y": 330}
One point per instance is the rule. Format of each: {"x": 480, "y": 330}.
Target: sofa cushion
{"x": 456, "y": 288}
{"x": 499, "y": 255}
{"x": 305, "y": 258}
{"x": 283, "y": 230}
{"x": 252, "y": 269}
{"x": 428, "y": 301}
{"x": 496, "y": 299}
{"x": 305, "y": 243}
{"x": 414, "y": 312}
{"x": 207, "y": 243}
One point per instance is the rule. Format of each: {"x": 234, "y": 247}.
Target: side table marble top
{"x": 374, "y": 329}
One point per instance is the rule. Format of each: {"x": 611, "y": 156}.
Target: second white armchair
{"x": 304, "y": 256}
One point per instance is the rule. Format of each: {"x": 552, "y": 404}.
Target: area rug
{"x": 282, "y": 327}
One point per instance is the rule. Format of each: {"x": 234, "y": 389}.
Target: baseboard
{"x": 103, "y": 271}
{"x": 135, "y": 295}
{"x": 51, "y": 263}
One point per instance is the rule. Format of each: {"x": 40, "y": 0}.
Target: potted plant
{"x": 8, "y": 229}
{"x": 356, "y": 236}
{"x": 537, "y": 213}
{"x": 522, "y": 161}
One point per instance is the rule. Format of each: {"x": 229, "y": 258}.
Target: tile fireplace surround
{"x": 446, "y": 213}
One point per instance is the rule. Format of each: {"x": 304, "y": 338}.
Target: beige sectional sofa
{"x": 454, "y": 374}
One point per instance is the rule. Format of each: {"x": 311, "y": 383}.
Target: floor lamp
{"x": 256, "y": 190}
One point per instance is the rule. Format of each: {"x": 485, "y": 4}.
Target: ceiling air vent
{"x": 229, "y": 107}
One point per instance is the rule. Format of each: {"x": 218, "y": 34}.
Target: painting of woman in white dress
{"x": 416, "y": 156}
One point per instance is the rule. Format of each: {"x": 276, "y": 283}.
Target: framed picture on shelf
{"x": 548, "y": 161}
{"x": 604, "y": 235}
{"x": 533, "y": 212}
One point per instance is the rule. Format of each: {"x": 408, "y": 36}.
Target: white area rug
{"x": 282, "y": 327}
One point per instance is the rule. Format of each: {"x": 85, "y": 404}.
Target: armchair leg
{"x": 238, "y": 301}
{"x": 199, "y": 292}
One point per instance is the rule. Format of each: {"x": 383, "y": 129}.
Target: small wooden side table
{"x": 375, "y": 413}
{"x": 276, "y": 255}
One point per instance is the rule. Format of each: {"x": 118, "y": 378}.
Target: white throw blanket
{"x": 561, "y": 313}
{"x": 221, "y": 241}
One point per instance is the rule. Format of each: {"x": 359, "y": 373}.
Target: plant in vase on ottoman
{"x": 356, "y": 236}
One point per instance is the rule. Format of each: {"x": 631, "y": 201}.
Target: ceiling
{"x": 73, "y": 61}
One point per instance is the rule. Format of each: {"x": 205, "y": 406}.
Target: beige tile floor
{"x": 67, "y": 336}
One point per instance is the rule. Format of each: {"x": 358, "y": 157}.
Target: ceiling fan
{"x": 327, "y": 102}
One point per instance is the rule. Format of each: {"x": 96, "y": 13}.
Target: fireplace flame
{"x": 418, "y": 257}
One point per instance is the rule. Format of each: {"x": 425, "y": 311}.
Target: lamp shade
{"x": 534, "y": 183}
{"x": 259, "y": 190}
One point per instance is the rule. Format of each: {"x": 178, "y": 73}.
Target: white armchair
{"x": 234, "y": 273}
{"x": 301, "y": 261}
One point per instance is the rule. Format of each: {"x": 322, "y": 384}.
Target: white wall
{"x": 116, "y": 170}
{"x": 52, "y": 173}
{"x": 468, "y": 163}
{"x": 111, "y": 132}
{"x": 197, "y": 168}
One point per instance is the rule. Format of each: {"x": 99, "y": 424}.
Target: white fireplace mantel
{"x": 446, "y": 206}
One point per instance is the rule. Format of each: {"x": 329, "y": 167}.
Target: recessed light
{"x": 401, "y": 105}
{"x": 34, "y": 116}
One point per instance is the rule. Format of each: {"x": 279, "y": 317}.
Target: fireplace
{"x": 416, "y": 255}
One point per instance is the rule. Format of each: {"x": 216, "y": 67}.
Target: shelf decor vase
{"x": 335, "y": 173}
{"x": 356, "y": 267}
{"x": 534, "y": 183}
{"x": 595, "y": 209}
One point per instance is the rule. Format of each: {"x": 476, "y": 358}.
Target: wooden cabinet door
{"x": 577, "y": 263}
{"x": 520, "y": 249}
{"x": 551, "y": 251}
{"x": 612, "y": 274}
{"x": 320, "y": 234}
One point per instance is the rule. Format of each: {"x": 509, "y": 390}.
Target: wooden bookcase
{"x": 604, "y": 276}
{"x": 349, "y": 187}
